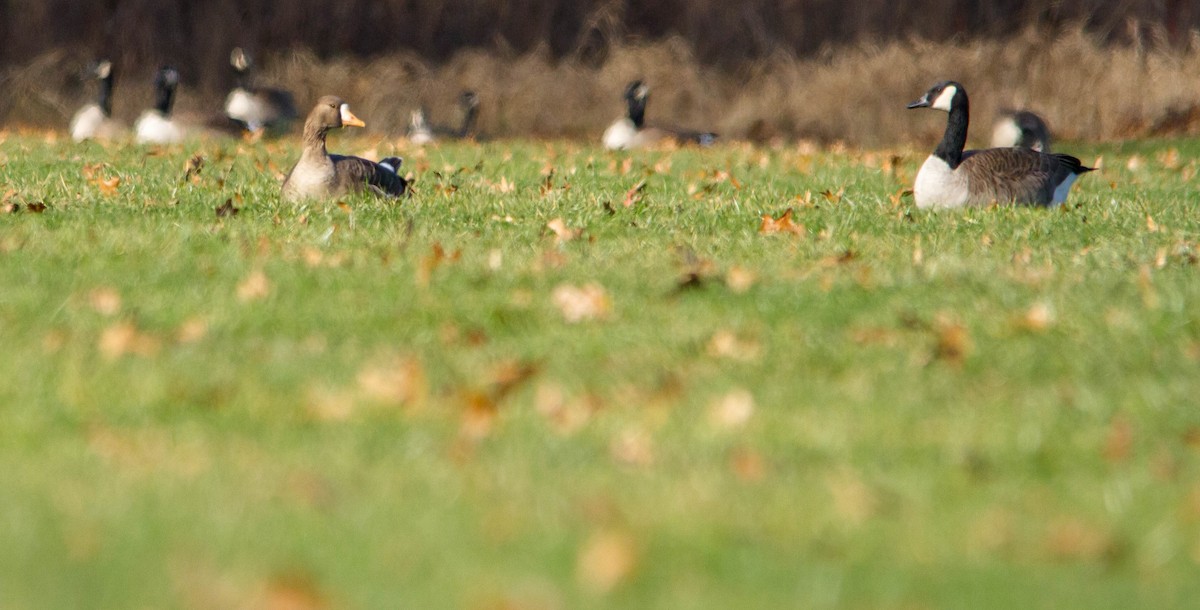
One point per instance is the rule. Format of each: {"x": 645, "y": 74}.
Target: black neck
{"x": 241, "y": 78}
{"x": 637, "y": 111}
{"x": 105, "y": 99}
{"x": 165, "y": 97}
{"x": 951, "y": 148}
{"x": 470, "y": 113}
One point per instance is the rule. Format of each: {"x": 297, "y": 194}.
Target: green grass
{"x": 989, "y": 408}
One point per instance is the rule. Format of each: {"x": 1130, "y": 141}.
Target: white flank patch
{"x": 242, "y": 106}
{"x": 938, "y": 186}
{"x": 154, "y": 128}
{"x": 945, "y": 98}
{"x": 620, "y": 135}
{"x": 87, "y": 122}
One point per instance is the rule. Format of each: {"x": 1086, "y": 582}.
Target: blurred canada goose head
{"x": 952, "y": 177}
{"x": 1022, "y": 129}
{"x": 421, "y": 132}
{"x": 95, "y": 120}
{"x": 320, "y": 175}
{"x": 258, "y": 107}
{"x": 155, "y": 125}
{"x": 632, "y": 131}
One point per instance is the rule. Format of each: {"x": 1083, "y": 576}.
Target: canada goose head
{"x": 165, "y": 82}
{"x": 943, "y": 96}
{"x": 331, "y": 112}
{"x": 636, "y": 96}
{"x": 469, "y": 100}
{"x": 239, "y": 60}
{"x": 1022, "y": 129}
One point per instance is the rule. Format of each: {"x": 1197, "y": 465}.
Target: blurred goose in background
{"x": 160, "y": 125}
{"x": 95, "y": 120}
{"x": 952, "y": 178}
{"x": 320, "y": 175}
{"x": 421, "y": 132}
{"x": 631, "y": 131}
{"x": 1021, "y": 129}
{"x": 155, "y": 125}
{"x": 257, "y": 107}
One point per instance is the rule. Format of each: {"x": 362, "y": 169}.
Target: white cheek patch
{"x": 945, "y": 98}
{"x": 345, "y": 112}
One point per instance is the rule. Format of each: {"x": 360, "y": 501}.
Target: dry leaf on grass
{"x": 732, "y": 410}
{"x": 581, "y": 303}
{"x": 192, "y": 330}
{"x": 295, "y": 592}
{"x": 227, "y": 209}
{"x": 394, "y": 381}
{"x": 853, "y": 499}
{"x": 726, "y": 344}
{"x": 124, "y": 338}
{"x": 952, "y": 341}
{"x": 105, "y": 301}
{"x": 739, "y": 279}
{"x": 1118, "y": 445}
{"x": 255, "y": 287}
{"x": 634, "y": 194}
{"x": 748, "y": 465}
{"x": 633, "y": 447}
{"x": 437, "y": 257}
{"x": 563, "y": 233}
{"x": 783, "y": 224}
{"x": 606, "y": 560}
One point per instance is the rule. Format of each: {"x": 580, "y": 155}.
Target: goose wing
{"x": 1016, "y": 175}
{"x": 355, "y": 173}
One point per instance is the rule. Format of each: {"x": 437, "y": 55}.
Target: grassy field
{"x": 562, "y": 378}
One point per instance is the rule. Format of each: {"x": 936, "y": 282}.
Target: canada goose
{"x": 95, "y": 120}
{"x": 421, "y": 132}
{"x": 1022, "y": 129}
{"x": 156, "y": 126}
{"x": 631, "y": 130}
{"x": 951, "y": 178}
{"x": 320, "y": 175}
{"x": 258, "y": 107}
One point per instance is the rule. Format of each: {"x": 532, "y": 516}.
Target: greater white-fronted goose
{"x": 320, "y": 175}
{"x": 952, "y": 178}
{"x": 631, "y": 130}
{"x": 1021, "y": 129}
{"x": 259, "y": 108}
{"x": 94, "y": 121}
{"x": 421, "y": 132}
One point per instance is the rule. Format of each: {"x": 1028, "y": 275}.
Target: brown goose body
{"x": 320, "y": 175}
{"x": 952, "y": 177}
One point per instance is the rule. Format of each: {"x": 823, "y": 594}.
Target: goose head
{"x": 943, "y": 96}
{"x": 331, "y": 112}
{"x": 239, "y": 60}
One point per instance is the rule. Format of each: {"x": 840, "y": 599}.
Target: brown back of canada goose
{"x": 320, "y": 175}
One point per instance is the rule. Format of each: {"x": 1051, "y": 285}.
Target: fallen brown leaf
{"x": 227, "y": 209}
{"x": 581, "y": 303}
{"x": 783, "y": 224}
{"x": 105, "y": 301}
{"x": 634, "y": 194}
{"x": 255, "y": 287}
{"x": 562, "y": 232}
{"x": 732, "y": 410}
{"x": 606, "y": 560}
{"x": 125, "y": 338}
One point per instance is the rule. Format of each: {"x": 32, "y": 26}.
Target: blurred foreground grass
{"x": 562, "y": 378}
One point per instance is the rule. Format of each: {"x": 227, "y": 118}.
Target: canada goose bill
{"x": 952, "y": 178}
{"x": 260, "y": 108}
{"x": 420, "y": 132}
{"x": 1021, "y": 129}
{"x": 631, "y": 131}
{"x": 94, "y": 121}
{"x": 320, "y": 175}
{"x": 156, "y": 125}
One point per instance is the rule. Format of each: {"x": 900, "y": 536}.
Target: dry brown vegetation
{"x": 1085, "y": 89}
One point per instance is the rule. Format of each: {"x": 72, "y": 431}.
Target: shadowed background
{"x": 761, "y": 69}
